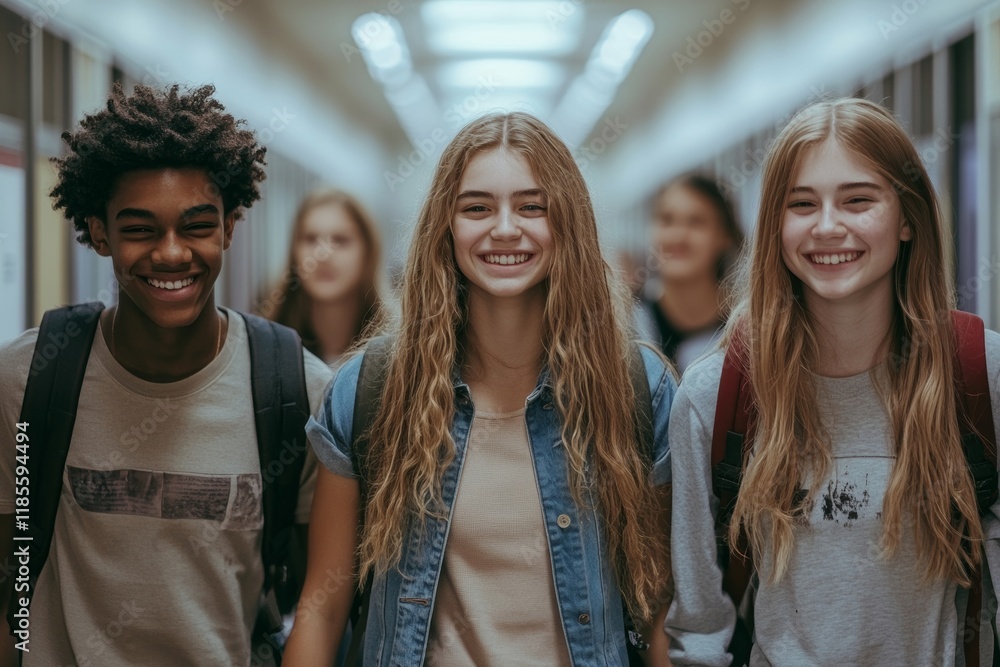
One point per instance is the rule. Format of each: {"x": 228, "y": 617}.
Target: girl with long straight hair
{"x": 330, "y": 292}
{"x": 509, "y": 509}
{"x": 856, "y": 504}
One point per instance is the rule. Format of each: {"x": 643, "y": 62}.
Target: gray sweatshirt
{"x": 840, "y": 602}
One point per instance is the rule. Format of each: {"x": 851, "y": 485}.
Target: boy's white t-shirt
{"x": 156, "y": 553}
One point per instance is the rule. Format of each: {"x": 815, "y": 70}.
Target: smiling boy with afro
{"x": 155, "y": 556}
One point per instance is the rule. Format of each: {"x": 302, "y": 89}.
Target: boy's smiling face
{"x": 165, "y": 231}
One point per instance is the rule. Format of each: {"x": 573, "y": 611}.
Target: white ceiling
{"x": 757, "y": 60}
{"x": 318, "y": 36}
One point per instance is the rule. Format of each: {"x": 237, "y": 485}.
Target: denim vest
{"x": 590, "y": 603}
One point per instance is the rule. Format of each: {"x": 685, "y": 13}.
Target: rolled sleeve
{"x": 329, "y": 451}
{"x": 662, "y": 387}
{"x": 330, "y": 431}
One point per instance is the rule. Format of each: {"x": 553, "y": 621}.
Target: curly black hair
{"x": 155, "y": 129}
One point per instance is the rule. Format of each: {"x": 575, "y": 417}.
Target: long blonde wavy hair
{"x": 930, "y": 487}
{"x": 586, "y": 350}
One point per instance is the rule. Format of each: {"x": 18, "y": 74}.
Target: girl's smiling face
{"x": 842, "y": 227}
{"x": 503, "y": 242}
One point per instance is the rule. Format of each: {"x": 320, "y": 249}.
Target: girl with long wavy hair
{"x": 330, "y": 292}
{"x": 509, "y": 509}
{"x": 856, "y": 503}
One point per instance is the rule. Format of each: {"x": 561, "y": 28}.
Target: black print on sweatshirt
{"x": 843, "y": 503}
{"x": 802, "y": 506}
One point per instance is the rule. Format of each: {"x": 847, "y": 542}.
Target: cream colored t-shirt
{"x": 496, "y": 602}
{"x": 155, "y": 556}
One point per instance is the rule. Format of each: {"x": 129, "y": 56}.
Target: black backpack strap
{"x": 281, "y": 410}
{"x": 51, "y": 396}
{"x": 367, "y": 399}
{"x": 643, "y": 415}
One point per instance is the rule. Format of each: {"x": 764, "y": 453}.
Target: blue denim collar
{"x": 544, "y": 381}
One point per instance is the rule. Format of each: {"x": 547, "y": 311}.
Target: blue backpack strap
{"x": 51, "y": 396}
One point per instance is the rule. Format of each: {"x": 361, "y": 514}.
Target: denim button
{"x": 547, "y": 405}
{"x": 584, "y": 619}
{"x": 563, "y": 520}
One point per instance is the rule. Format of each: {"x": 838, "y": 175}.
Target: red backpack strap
{"x": 972, "y": 397}
{"x": 732, "y": 439}
{"x": 732, "y": 418}
{"x": 975, "y": 419}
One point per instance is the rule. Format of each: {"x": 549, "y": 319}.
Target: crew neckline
{"x": 499, "y": 415}
{"x": 874, "y": 370}
{"x": 189, "y": 385}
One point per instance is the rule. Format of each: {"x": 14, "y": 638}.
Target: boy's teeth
{"x": 836, "y": 258}
{"x": 506, "y": 259}
{"x": 170, "y": 284}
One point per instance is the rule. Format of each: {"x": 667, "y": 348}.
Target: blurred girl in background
{"x": 331, "y": 293}
{"x": 330, "y": 296}
{"x": 695, "y": 238}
